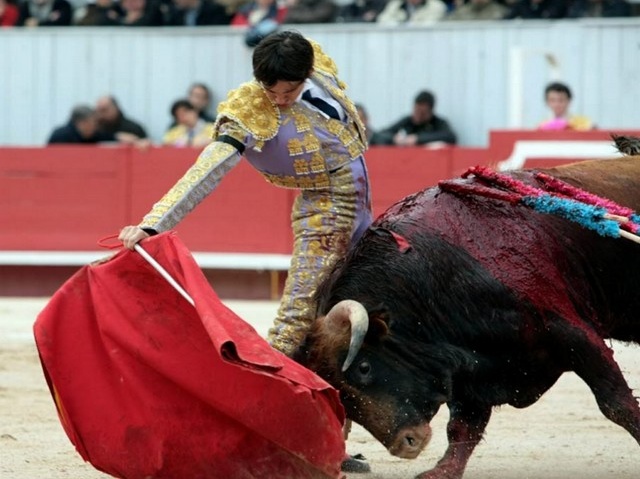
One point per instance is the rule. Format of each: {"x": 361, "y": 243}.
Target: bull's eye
{"x": 364, "y": 368}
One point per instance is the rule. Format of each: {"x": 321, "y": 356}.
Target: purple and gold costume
{"x": 296, "y": 147}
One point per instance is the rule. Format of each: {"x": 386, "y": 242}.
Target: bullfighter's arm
{"x": 215, "y": 161}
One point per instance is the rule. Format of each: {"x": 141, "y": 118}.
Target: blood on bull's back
{"x": 477, "y": 300}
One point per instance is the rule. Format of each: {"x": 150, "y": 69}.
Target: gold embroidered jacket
{"x": 296, "y": 147}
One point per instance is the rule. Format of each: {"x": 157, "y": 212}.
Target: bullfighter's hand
{"x": 130, "y": 235}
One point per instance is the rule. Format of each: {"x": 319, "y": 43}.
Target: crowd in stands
{"x": 105, "y": 122}
{"x": 192, "y": 122}
{"x": 421, "y": 128}
{"x": 261, "y": 17}
{"x": 189, "y": 128}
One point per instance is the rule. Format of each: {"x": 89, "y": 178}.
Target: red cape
{"x": 147, "y": 386}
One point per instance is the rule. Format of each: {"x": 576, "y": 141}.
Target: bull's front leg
{"x": 466, "y": 426}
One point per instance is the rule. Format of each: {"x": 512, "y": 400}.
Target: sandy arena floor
{"x": 563, "y": 436}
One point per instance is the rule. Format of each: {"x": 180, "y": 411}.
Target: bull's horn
{"x": 359, "y": 319}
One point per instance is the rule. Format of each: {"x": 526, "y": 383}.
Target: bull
{"x": 472, "y": 301}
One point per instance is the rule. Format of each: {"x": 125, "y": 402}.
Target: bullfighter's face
{"x": 284, "y": 93}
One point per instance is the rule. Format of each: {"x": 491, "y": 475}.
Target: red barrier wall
{"x": 501, "y": 143}
{"x": 60, "y": 198}
{"x": 66, "y": 198}
{"x": 69, "y": 197}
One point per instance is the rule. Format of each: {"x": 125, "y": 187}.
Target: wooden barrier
{"x": 56, "y": 203}
{"x": 513, "y": 149}
{"x": 67, "y": 198}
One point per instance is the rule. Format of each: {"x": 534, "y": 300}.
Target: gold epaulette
{"x": 323, "y": 62}
{"x": 249, "y": 106}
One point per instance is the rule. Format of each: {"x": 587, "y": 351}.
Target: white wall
{"x": 485, "y": 75}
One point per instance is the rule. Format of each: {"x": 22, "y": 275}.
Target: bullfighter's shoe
{"x": 355, "y": 464}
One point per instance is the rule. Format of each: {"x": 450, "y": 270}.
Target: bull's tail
{"x": 627, "y": 145}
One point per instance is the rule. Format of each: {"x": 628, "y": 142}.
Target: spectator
{"x": 82, "y": 127}
{"x": 416, "y": 12}
{"x": 261, "y": 17}
{"x": 537, "y": 9}
{"x": 45, "y": 13}
{"x": 196, "y": 13}
{"x": 311, "y": 11}
{"x": 255, "y": 34}
{"x": 361, "y": 11}
{"x": 599, "y": 8}
{"x": 189, "y": 130}
{"x": 232, "y": 6}
{"x": 200, "y": 97}
{"x": 422, "y": 127}
{"x": 100, "y": 13}
{"x": 364, "y": 118}
{"x": 478, "y": 10}
{"x": 141, "y": 13}
{"x": 9, "y": 14}
{"x": 113, "y": 122}
{"x": 558, "y": 97}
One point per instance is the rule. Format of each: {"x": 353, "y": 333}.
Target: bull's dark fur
{"x": 480, "y": 325}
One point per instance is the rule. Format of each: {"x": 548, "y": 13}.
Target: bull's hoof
{"x": 355, "y": 464}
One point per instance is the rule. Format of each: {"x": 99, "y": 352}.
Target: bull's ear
{"x": 378, "y": 328}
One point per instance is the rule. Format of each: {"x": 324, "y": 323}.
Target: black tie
{"x": 321, "y": 105}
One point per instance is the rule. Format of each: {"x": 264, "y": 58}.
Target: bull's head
{"x": 380, "y": 387}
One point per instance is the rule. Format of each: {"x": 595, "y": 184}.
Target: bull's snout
{"x": 410, "y": 441}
